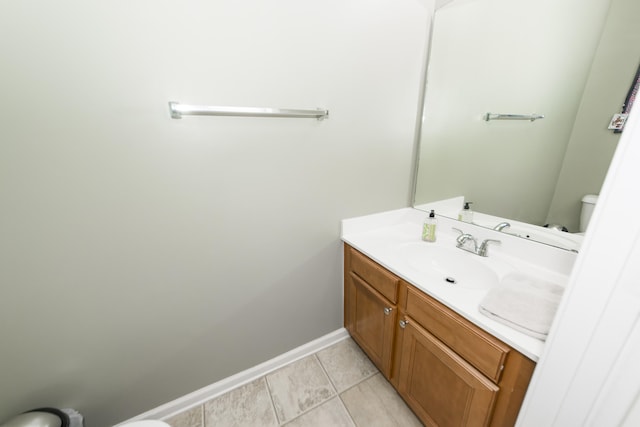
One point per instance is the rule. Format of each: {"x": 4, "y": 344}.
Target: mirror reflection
{"x": 571, "y": 62}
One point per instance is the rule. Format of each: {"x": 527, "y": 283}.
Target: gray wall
{"x": 592, "y": 145}
{"x": 141, "y": 257}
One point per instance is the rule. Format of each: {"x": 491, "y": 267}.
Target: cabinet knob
{"x": 388, "y": 310}
{"x": 404, "y": 323}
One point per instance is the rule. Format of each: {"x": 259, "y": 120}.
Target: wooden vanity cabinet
{"x": 449, "y": 371}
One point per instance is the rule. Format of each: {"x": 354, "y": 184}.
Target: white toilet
{"x": 588, "y": 204}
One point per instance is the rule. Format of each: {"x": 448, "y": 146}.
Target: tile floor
{"x": 337, "y": 386}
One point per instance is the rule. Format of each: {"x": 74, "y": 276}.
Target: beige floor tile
{"x": 299, "y": 387}
{"x": 249, "y": 405}
{"x": 331, "y": 413}
{"x": 190, "y": 418}
{"x": 375, "y": 403}
{"x": 346, "y": 364}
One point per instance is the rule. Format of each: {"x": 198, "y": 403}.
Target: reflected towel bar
{"x": 531, "y": 117}
{"x": 178, "y": 110}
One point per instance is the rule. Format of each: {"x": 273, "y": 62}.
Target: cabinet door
{"x": 442, "y": 388}
{"x": 371, "y": 322}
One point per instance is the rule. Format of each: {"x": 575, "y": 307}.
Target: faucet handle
{"x": 462, "y": 237}
{"x": 482, "y": 250}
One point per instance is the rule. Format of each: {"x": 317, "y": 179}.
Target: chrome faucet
{"x": 501, "y": 226}
{"x": 462, "y": 242}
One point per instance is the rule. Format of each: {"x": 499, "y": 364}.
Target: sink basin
{"x": 451, "y": 266}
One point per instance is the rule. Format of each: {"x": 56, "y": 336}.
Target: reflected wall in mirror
{"x": 571, "y": 61}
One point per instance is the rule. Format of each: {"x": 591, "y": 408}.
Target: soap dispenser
{"x": 466, "y": 214}
{"x": 429, "y": 227}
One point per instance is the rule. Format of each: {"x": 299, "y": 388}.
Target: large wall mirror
{"x": 571, "y": 61}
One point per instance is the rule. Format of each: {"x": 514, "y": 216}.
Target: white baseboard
{"x": 204, "y": 394}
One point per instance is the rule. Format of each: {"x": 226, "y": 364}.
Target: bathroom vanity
{"x": 451, "y": 364}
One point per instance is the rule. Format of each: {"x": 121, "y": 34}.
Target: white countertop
{"x": 383, "y": 237}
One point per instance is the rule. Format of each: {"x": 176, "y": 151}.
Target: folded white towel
{"x": 523, "y": 303}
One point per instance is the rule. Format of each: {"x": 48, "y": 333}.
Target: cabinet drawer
{"x": 376, "y": 276}
{"x": 477, "y": 347}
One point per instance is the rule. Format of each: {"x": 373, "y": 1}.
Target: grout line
{"x": 346, "y": 409}
{"x": 373, "y": 374}
{"x": 324, "y": 401}
{"x": 273, "y": 403}
{"x": 324, "y": 369}
{"x": 336, "y": 395}
{"x": 339, "y": 394}
{"x": 312, "y": 408}
{"x": 284, "y": 422}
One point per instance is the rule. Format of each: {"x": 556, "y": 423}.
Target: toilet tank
{"x": 588, "y": 204}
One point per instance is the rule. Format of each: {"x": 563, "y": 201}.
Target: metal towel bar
{"x": 531, "y": 117}
{"x": 178, "y": 110}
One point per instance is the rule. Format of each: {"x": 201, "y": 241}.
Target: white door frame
{"x": 589, "y": 371}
